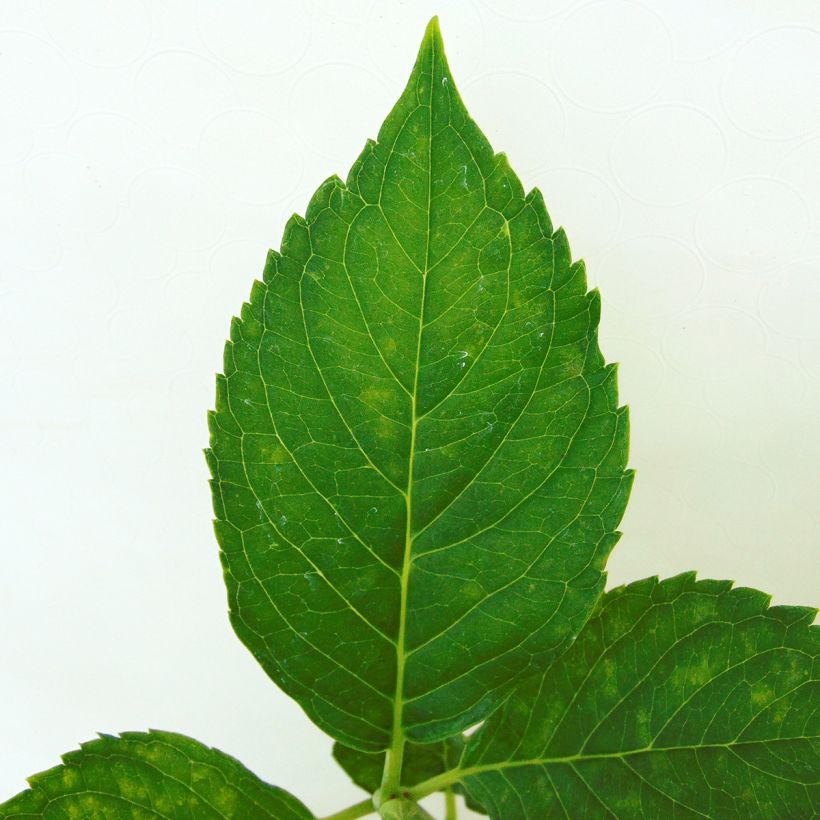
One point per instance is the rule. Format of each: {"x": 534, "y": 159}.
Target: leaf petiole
{"x": 451, "y": 808}
{"x": 393, "y": 762}
{"x": 353, "y": 812}
{"x": 434, "y": 784}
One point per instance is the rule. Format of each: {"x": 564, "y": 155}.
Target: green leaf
{"x": 144, "y": 775}
{"x": 680, "y": 698}
{"x": 417, "y": 450}
{"x": 421, "y": 762}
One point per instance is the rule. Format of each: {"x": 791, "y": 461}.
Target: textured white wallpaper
{"x": 150, "y": 153}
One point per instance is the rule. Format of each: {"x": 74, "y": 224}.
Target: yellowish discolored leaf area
{"x": 147, "y": 775}
{"x": 680, "y": 698}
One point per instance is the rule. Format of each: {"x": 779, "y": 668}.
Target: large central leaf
{"x": 417, "y": 451}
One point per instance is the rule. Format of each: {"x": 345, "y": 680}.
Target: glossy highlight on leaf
{"x": 418, "y": 455}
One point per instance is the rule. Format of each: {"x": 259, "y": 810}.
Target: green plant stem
{"x": 352, "y": 812}
{"x": 451, "y": 809}
{"x": 393, "y": 764}
{"x": 435, "y": 784}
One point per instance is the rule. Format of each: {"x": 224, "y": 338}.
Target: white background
{"x": 150, "y": 153}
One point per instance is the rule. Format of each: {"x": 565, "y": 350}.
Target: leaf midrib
{"x": 395, "y": 753}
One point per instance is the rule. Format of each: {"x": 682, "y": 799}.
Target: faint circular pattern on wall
{"x": 625, "y": 57}
{"x": 668, "y": 155}
{"x": 799, "y": 446}
{"x": 650, "y": 276}
{"x": 295, "y": 203}
{"x": 250, "y": 36}
{"x": 752, "y": 225}
{"x": 348, "y": 10}
{"x": 641, "y": 371}
{"x": 529, "y": 11}
{"x": 495, "y": 100}
{"x": 250, "y": 156}
{"x": 756, "y": 398}
{"x": 40, "y": 334}
{"x": 176, "y": 208}
{"x": 757, "y": 529}
{"x": 47, "y": 394}
{"x": 355, "y": 104}
{"x": 769, "y": 81}
{"x": 726, "y": 483}
{"x": 809, "y": 357}
{"x": 714, "y": 343}
{"x": 201, "y": 296}
{"x": 116, "y": 147}
{"x": 70, "y": 191}
{"x": 790, "y": 304}
{"x": 151, "y": 262}
{"x": 190, "y": 296}
{"x": 231, "y": 262}
{"x": 16, "y": 139}
{"x": 181, "y": 91}
{"x": 640, "y": 524}
{"x": 119, "y": 36}
{"x": 28, "y": 237}
{"x": 52, "y": 330}
{"x": 693, "y": 38}
{"x": 801, "y": 169}
{"x": 146, "y": 339}
{"x": 49, "y": 94}
{"x": 667, "y": 432}
{"x": 585, "y": 203}
{"x": 387, "y": 35}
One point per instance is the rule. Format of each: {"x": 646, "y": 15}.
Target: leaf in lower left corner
{"x": 141, "y": 774}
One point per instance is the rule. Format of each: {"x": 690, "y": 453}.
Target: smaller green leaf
{"x": 421, "y": 762}
{"x": 144, "y": 775}
{"x": 679, "y": 698}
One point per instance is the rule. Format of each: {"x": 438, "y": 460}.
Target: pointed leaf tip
{"x": 432, "y": 37}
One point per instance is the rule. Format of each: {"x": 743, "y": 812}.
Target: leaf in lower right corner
{"x": 680, "y": 698}
{"x": 153, "y": 774}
